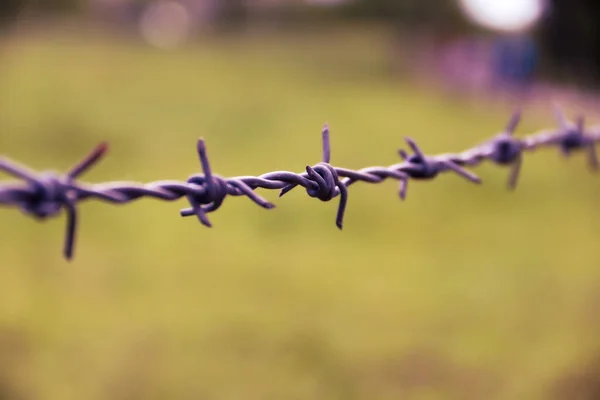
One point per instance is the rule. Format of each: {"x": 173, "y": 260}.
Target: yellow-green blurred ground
{"x": 462, "y": 292}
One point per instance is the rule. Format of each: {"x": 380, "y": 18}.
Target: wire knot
{"x": 419, "y": 166}
{"x": 505, "y": 149}
{"x": 574, "y": 137}
{"x": 210, "y": 190}
{"x": 327, "y": 180}
{"x": 51, "y": 192}
{"x": 207, "y": 197}
{"x": 50, "y": 195}
{"x": 212, "y": 193}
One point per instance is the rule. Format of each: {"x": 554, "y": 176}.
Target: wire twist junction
{"x": 44, "y": 195}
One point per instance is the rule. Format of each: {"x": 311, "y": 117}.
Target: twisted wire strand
{"x": 44, "y": 195}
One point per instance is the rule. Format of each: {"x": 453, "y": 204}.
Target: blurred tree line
{"x": 568, "y": 37}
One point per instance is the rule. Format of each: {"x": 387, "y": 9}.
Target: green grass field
{"x": 461, "y": 292}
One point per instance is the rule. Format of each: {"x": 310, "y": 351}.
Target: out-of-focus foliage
{"x": 411, "y": 13}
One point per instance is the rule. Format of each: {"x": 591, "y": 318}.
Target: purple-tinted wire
{"x": 44, "y": 194}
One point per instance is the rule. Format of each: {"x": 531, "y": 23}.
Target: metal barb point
{"x": 403, "y": 154}
{"x": 89, "y": 161}
{"x": 513, "y": 122}
{"x": 415, "y": 148}
{"x": 205, "y": 191}
{"x": 460, "y": 171}
{"x": 69, "y": 201}
{"x": 326, "y": 144}
{"x": 201, "y": 148}
{"x": 403, "y": 189}
{"x": 70, "y": 233}
{"x": 513, "y": 176}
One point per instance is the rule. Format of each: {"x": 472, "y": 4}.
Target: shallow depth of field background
{"x": 460, "y": 292}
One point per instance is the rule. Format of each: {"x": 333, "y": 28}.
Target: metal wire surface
{"x": 44, "y": 195}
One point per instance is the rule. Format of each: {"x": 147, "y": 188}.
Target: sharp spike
{"x": 515, "y": 170}
{"x": 92, "y": 158}
{"x": 71, "y": 229}
{"x": 462, "y": 172}
{"x": 403, "y": 188}
{"x": 514, "y": 121}
{"x": 415, "y": 148}
{"x": 326, "y": 144}
{"x": 202, "y": 154}
{"x": 339, "y": 220}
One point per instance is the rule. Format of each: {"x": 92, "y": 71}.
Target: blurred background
{"x": 461, "y": 292}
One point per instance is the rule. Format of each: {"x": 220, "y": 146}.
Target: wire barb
{"x": 423, "y": 167}
{"x": 328, "y": 184}
{"x": 47, "y": 193}
{"x": 507, "y": 150}
{"x": 43, "y": 195}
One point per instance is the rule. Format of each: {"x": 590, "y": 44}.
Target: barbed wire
{"x": 44, "y": 195}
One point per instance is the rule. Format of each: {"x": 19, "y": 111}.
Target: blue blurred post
{"x": 513, "y": 64}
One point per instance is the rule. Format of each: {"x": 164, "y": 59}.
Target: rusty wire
{"x": 44, "y": 195}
